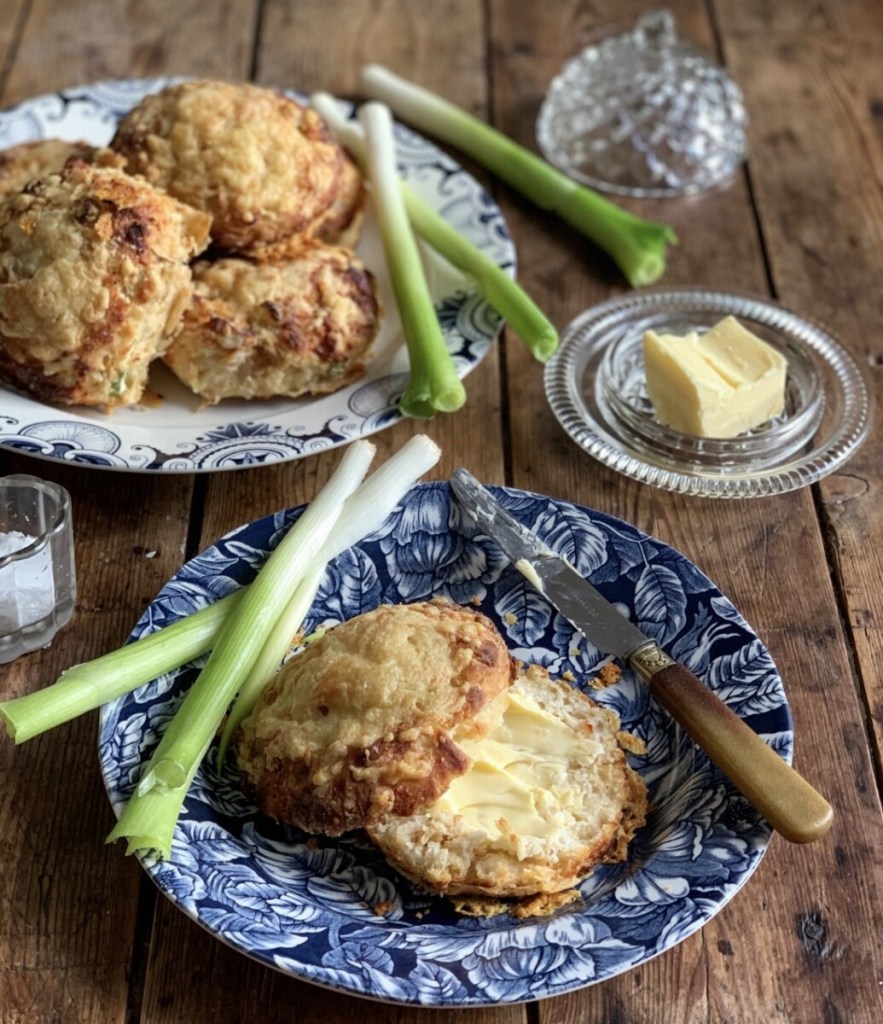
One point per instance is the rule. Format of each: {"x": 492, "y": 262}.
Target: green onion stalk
{"x": 637, "y": 246}
{"x": 363, "y": 512}
{"x": 434, "y": 385}
{"x": 501, "y": 292}
{"x": 87, "y": 686}
{"x": 249, "y": 633}
{"x": 148, "y": 819}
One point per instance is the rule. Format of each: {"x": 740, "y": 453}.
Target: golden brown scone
{"x": 263, "y": 165}
{"x": 549, "y": 795}
{"x": 368, "y": 720}
{"x": 94, "y": 278}
{"x": 259, "y": 330}
{"x": 339, "y": 224}
{"x": 28, "y": 160}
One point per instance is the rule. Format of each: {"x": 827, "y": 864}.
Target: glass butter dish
{"x": 37, "y": 575}
{"x": 596, "y": 387}
{"x": 642, "y": 113}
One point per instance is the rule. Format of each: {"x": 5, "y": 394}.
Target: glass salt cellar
{"x": 37, "y": 574}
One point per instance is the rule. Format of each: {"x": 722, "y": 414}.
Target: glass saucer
{"x": 595, "y": 386}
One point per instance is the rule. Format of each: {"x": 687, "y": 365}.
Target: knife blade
{"x": 785, "y": 798}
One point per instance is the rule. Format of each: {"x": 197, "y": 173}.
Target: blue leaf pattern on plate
{"x": 333, "y": 911}
{"x": 660, "y": 608}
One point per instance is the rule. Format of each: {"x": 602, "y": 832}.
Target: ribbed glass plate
{"x": 596, "y": 388}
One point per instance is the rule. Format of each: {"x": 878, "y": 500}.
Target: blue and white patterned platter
{"x": 305, "y": 907}
{"x": 177, "y": 435}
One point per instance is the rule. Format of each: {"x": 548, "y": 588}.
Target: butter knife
{"x": 788, "y": 802}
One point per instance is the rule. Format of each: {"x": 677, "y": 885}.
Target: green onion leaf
{"x": 637, "y": 246}
{"x": 512, "y": 303}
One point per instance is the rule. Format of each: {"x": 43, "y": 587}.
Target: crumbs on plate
{"x": 608, "y": 675}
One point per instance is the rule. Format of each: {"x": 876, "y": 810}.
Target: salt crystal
{"x": 12, "y": 542}
{"x": 27, "y": 586}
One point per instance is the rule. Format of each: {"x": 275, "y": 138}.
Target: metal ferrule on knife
{"x": 649, "y": 659}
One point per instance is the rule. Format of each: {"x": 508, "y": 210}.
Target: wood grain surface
{"x": 84, "y": 936}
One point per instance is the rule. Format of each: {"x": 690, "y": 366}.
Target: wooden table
{"x": 84, "y": 937}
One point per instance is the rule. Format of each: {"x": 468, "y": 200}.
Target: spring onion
{"x": 256, "y": 636}
{"x": 87, "y": 686}
{"x": 433, "y": 385}
{"x": 505, "y": 296}
{"x": 363, "y": 512}
{"x": 271, "y": 655}
{"x": 246, "y": 632}
{"x": 637, "y": 246}
{"x": 149, "y": 818}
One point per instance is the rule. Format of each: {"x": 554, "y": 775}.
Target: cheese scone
{"x": 35, "y": 159}
{"x": 548, "y": 795}
{"x": 263, "y": 165}
{"x": 370, "y": 719}
{"x": 94, "y": 278}
{"x": 300, "y": 326}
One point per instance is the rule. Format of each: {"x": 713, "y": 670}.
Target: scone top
{"x": 364, "y": 722}
{"x": 263, "y": 165}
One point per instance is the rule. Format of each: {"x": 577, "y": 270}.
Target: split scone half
{"x": 369, "y": 719}
{"x": 549, "y": 794}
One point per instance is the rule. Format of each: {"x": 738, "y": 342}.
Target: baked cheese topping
{"x": 518, "y": 782}
{"x": 717, "y": 384}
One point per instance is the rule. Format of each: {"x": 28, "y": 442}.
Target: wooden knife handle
{"x": 788, "y": 802}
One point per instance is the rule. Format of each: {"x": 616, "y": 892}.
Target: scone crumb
{"x": 633, "y": 744}
{"x": 609, "y": 674}
{"x": 544, "y": 904}
{"x": 383, "y": 908}
{"x": 510, "y": 618}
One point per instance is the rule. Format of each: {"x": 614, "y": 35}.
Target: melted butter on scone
{"x": 547, "y": 795}
{"x": 518, "y": 782}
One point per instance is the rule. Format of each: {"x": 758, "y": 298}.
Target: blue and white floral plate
{"x": 332, "y": 911}
{"x": 177, "y": 435}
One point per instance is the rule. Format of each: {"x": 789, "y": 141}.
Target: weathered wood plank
{"x": 14, "y": 13}
{"x": 66, "y": 942}
{"x": 69, "y": 902}
{"x": 749, "y": 549}
{"x": 91, "y": 40}
{"x": 812, "y": 85}
{"x": 817, "y": 176}
{"x": 295, "y": 53}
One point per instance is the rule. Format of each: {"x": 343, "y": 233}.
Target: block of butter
{"x": 717, "y": 384}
